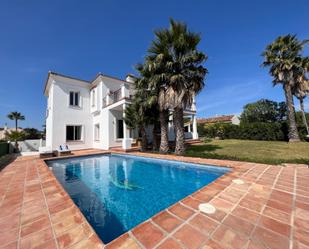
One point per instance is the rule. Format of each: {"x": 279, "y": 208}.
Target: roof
{"x": 86, "y": 81}
{"x": 217, "y": 119}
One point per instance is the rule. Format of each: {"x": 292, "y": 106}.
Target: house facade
{"x": 89, "y": 114}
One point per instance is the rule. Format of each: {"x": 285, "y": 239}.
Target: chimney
{"x": 130, "y": 78}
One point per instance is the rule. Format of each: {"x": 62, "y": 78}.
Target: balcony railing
{"x": 116, "y": 96}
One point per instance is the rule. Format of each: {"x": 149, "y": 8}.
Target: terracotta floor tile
{"x": 218, "y": 215}
{"x": 148, "y": 235}
{"x": 281, "y": 196}
{"x": 302, "y": 223}
{"x": 204, "y": 224}
{"x": 275, "y": 226}
{"x": 71, "y": 237}
{"x": 170, "y": 244}
{"x": 191, "y": 202}
{"x": 67, "y": 223}
{"x": 246, "y": 214}
{"x": 228, "y": 236}
{"x": 59, "y": 216}
{"x": 36, "y": 239}
{"x": 202, "y": 196}
{"x": 270, "y": 239}
{"x": 280, "y": 206}
{"x": 256, "y": 245}
{"x": 33, "y": 216}
{"x": 32, "y": 174}
{"x": 35, "y": 226}
{"x": 221, "y": 204}
{"x": 166, "y": 221}
{"x": 252, "y": 205}
{"x": 8, "y": 236}
{"x": 50, "y": 244}
{"x": 238, "y": 224}
{"x": 122, "y": 242}
{"x": 210, "y": 244}
{"x": 277, "y": 215}
{"x": 190, "y": 237}
{"x": 9, "y": 222}
{"x": 301, "y": 236}
{"x": 181, "y": 211}
{"x": 12, "y": 245}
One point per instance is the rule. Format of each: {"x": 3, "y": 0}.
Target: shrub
{"x": 249, "y": 131}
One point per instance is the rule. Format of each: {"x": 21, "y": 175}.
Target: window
{"x": 93, "y": 98}
{"x": 119, "y": 128}
{"x": 74, "y": 99}
{"x": 74, "y": 133}
{"x": 97, "y": 132}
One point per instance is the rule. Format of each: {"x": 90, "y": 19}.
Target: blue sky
{"x": 82, "y": 38}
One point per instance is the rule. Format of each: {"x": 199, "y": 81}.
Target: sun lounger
{"x": 63, "y": 150}
{"x": 46, "y": 152}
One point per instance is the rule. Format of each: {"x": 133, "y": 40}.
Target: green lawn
{"x": 270, "y": 152}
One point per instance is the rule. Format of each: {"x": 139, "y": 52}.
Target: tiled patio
{"x": 270, "y": 210}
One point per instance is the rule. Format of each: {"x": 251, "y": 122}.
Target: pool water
{"x": 117, "y": 192}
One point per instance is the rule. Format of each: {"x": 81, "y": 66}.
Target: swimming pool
{"x": 117, "y": 192}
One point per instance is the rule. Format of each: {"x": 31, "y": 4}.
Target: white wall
{"x": 49, "y": 118}
{"x": 235, "y": 120}
{"x": 63, "y": 115}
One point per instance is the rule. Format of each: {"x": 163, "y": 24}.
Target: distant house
{"x": 231, "y": 119}
{"x": 5, "y": 130}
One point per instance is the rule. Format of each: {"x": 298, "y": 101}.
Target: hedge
{"x": 4, "y": 149}
{"x": 277, "y": 131}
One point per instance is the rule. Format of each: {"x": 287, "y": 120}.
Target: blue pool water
{"x": 117, "y": 192}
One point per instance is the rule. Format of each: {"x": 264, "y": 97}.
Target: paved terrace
{"x": 270, "y": 210}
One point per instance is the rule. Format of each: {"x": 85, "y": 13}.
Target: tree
{"x": 301, "y": 88}
{"x": 265, "y": 111}
{"x": 16, "y": 116}
{"x": 176, "y": 64}
{"x": 32, "y": 133}
{"x": 283, "y": 57}
{"x": 135, "y": 118}
{"x": 15, "y": 136}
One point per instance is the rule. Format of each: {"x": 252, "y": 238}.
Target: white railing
{"x": 116, "y": 96}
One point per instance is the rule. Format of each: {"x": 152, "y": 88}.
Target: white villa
{"x": 89, "y": 114}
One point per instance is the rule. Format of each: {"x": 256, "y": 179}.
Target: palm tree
{"x": 16, "y": 116}
{"x": 15, "y": 136}
{"x": 152, "y": 84}
{"x": 301, "y": 89}
{"x": 176, "y": 66}
{"x": 135, "y": 117}
{"x": 283, "y": 57}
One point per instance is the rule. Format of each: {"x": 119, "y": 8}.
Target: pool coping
{"x": 156, "y": 231}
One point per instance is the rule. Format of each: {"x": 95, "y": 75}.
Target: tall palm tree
{"x": 283, "y": 57}
{"x": 176, "y": 66}
{"x": 151, "y": 80}
{"x": 16, "y": 116}
{"x": 135, "y": 118}
{"x": 301, "y": 88}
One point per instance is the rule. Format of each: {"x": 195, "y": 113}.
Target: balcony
{"x": 116, "y": 96}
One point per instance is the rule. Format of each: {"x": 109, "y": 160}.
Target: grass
{"x": 269, "y": 152}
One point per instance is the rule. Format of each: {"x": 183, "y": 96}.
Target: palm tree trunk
{"x": 154, "y": 136}
{"x": 144, "y": 142}
{"x": 164, "y": 131}
{"x": 179, "y": 131}
{"x": 15, "y": 124}
{"x": 302, "y": 109}
{"x": 293, "y": 132}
